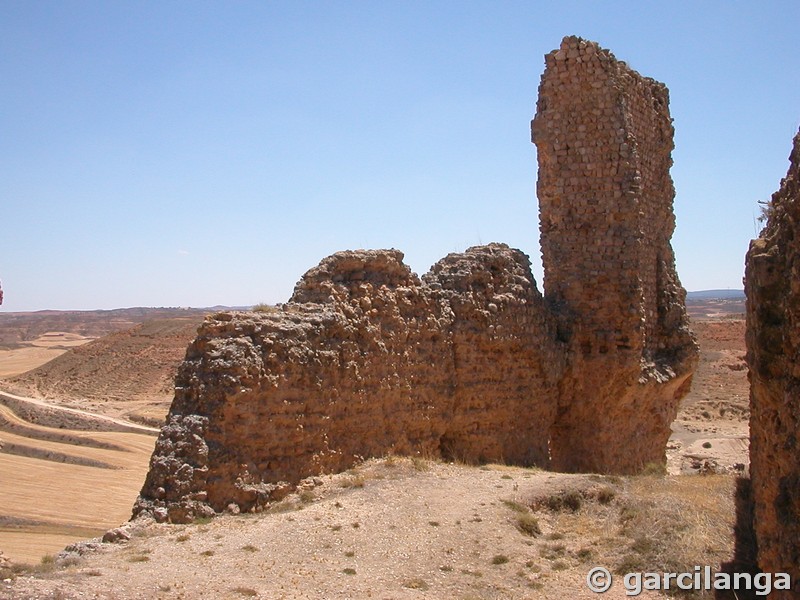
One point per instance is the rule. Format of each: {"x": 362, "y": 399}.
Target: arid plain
{"x": 76, "y": 428}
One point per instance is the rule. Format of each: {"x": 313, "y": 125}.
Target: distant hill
{"x": 127, "y": 373}
{"x": 714, "y": 304}
{"x": 719, "y": 294}
{"x": 16, "y": 327}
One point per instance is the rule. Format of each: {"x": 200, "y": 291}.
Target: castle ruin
{"x": 471, "y": 361}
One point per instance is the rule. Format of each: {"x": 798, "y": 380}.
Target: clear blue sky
{"x": 202, "y": 153}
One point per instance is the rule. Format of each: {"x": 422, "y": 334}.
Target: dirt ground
{"x": 712, "y": 428}
{"x": 410, "y": 528}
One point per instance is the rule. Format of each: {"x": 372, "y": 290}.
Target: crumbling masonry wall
{"x": 772, "y": 285}
{"x": 366, "y": 359}
{"x": 469, "y": 362}
{"x": 604, "y": 139}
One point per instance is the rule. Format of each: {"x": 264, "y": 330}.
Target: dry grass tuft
{"x": 420, "y": 464}
{"x": 673, "y": 524}
{"x": 642, "y": 524}
{"x": 264, "y": 307}
{"x": 353, "y": 481}
{"x": 529, "y": 525}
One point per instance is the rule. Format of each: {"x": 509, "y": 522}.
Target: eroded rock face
{"x": 772, "y": 285}
{"x": 469, "y": 362}
{"x": 603, "y": 134}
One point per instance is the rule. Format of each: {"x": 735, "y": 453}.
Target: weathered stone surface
{"x": 772, "y": 285}
{"x": 603, "y": 134}
{"x": 366, "y": 359}
{"x": 469, "y": 362}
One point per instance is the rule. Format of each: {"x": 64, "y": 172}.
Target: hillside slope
{"x": 129, "y": 373}
{"x": 411, "y": 528}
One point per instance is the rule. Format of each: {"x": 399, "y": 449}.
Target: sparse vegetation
{"x": 499, "y": 559}
{"x": 529, "y": 525}
{"x": 766, "y": 209}
{"x": 584, "y": 554}
{"x": 654, "y": 469}
{"x": 245, "y": 591}
{"x": 604, "y": 494}
{"x": 420, "y": 464}
{"x": 553, "y": 551}
{"x": 349, "y": 571}
{"x": 571, "y": 500}
{"x": 250, "y": 548}
{"x": 352, "y": 481}
{"x": 516, "y": 506}
{"x": 533, "y": 566}
{"x": 263, "y": 307}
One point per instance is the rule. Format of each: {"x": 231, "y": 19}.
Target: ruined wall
{"x": 772, "y": 285}
{"x": 469, "y": 362}
{"x": 604, "y": 139}
{"x": 366, "y": 359}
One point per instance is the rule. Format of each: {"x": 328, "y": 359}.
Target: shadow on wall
{"x": 745, "y": 549}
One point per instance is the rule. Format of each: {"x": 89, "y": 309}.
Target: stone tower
{"x": 604, "y": 139}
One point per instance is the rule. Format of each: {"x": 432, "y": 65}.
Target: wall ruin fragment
{"x": 772, "y": 285}
{"x": 469, "y": 362}
{"x": 604, "y": 139}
